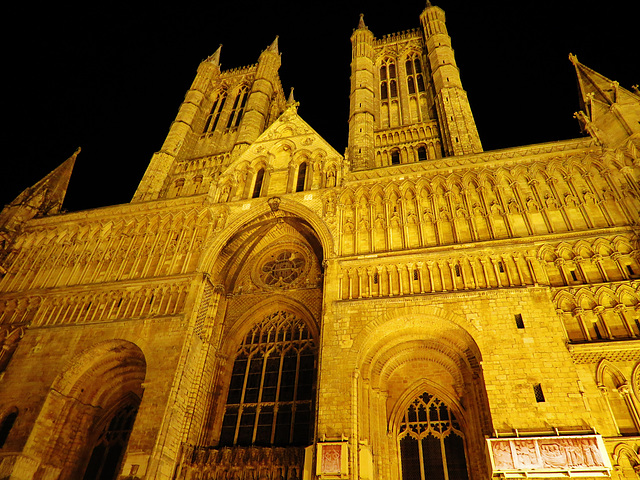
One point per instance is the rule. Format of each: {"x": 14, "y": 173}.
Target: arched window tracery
{"x": 110, "y": 445}
{"x": 271, "y": 389}
{"x": 432, "y": 444}
{"x": 257, "y": 187}
{"x": 214, "y": 114}
{"x": 302, "y": 176}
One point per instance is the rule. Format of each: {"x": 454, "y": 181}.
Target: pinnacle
{"x": 215, "y": 58}
{"x": 274, "y": 46}
{"x": 291, "y": 100}
{"x": 361, "y": 22}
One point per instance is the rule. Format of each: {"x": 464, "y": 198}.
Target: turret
{"x": 258, "y": 104}
{"x": 608, "y": 112}
{"x": 459, "y": 132}
{"x": 361, "y": 118}
{"x": 182, "y": 133}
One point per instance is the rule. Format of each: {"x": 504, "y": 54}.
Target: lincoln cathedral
{"x": 269, "y": 308}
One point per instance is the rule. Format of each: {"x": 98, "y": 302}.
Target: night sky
{"x": 110, "y": 77}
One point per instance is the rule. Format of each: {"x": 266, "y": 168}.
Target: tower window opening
{"x": 257, "y": 187}
{"x": 214, "y": 115}
{"x": 409, "y": 66}
{"x": 395, "y": 157}
{"x": 422, "y": 153}
{"x": 375, "y": 280}
{"x": 420, "y": 83}
{"x": 456, "y": 269}
{"x": 630, "y": 270}
{"x": 574, "y": 276}
{"x": 538, "y": 393}
{"x": 519, "y": 321}
{"x": 302, "y": 174}
{"x": 411, "y": 85}
{"x": 415, "y": 274}
{"x": 392, "y": 70}
{"x": 500, "y": 267}
{"x": 383, "y": 91}
{"x": 243, "y": 104}
{"x": 393, "y": 89}
{"x": 383, "y": 72}
{"x": 418, "y": 65}
{"x": 237, "y": 109}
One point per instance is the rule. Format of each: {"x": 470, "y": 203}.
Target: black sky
{"x": 110, "y": 77}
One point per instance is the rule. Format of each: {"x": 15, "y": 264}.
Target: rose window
{"x": 283, "y": 268}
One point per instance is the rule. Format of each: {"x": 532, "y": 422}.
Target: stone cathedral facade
{"x": 269, "y": 308}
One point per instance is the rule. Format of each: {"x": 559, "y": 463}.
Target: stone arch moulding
{"x": 256, "y": 313}
{"x": 95, "y": 382}
{"x": 264, "y": 210}
{"x": 385, "y": 354}
{"x": 412, "y": 392}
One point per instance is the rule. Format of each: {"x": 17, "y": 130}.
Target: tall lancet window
{"x": 214, "y": 115}
{"x": 302, "y": 177}
{"x": 388, "y": 86}
{"x": 238, "y": 108}
{"x": 257, "y": 187}
{"x": 271, "y": 391}
{"x": 432, "y": 446}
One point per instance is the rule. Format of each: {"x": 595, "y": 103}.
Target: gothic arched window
{"x": 395, "y": 157}
{"x": 238, "y": 108}
{"x": 109, "y": 448}
{"x": 422, "y": 153}
{"x": 214, "y": 115}
{"x": 431, "y": 442}
{"x": 257, "y": 187}
{"x": 271, "y": 390}
{"x": 302, "y": 176}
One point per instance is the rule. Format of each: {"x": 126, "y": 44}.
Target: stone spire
{"x": 274, "y": 46}
{"x": 42, "y": 199}
{"x": 215, "y": 58}
{"x": 291, "y": 100}
{"x": 608, "y": 112}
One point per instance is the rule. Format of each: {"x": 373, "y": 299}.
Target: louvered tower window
{"x": 238, "y": 108}
{"x": 431, "y": 442}
{"x": 270, "y": 396}
{"x": 388, "y": 82}
{"x": 413, "y": 66}
{"x": 214, "y": 115}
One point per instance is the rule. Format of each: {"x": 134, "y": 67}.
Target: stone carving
{"x": 549, "y": 454}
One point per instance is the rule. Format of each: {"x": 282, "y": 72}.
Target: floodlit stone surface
{"x": 266, "y": 307}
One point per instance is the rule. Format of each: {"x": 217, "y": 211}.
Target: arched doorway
{"x": 423, "y": 403}
{"x": 84, "y": 425}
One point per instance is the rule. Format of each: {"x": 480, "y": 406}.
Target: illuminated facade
{"x": 267, "y": 307}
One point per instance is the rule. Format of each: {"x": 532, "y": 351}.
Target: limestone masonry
{"x": 269, "y": 308}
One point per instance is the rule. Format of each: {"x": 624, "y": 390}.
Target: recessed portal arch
{"x": 422, "y": 399}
